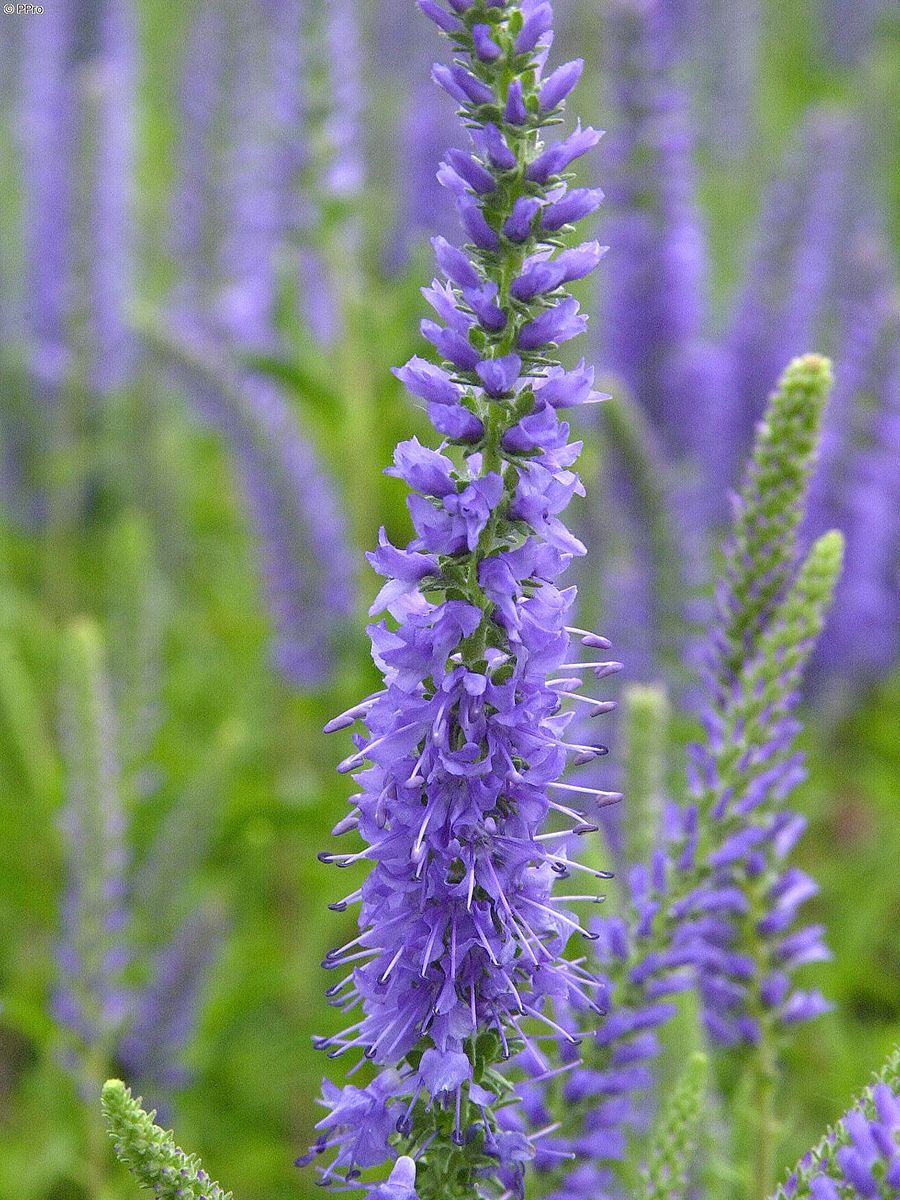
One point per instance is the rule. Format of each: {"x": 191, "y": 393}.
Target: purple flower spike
{"x": 91, "y": 1000}
{"x": 461, "y": 750}
{"x": 114, "y": 223}
{"x": 165, "y": 1013}
{"x": 297, "y": 519}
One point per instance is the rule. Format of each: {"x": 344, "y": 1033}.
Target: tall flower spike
{"x": 860, "y": 1156}
{"x": 769, "y": 616}
{"x": 343, "y": 126}
{"x": 746, "y": 770}
{"x": 654, "y": 336}
{"x": 249, "y": 187}
{"x": 458, "y": 767}
{"x": 729, "y": 64}
{"x": 150, "y": 1153}
{"x": 761, "y": 551}
{"x": 193, "y": 215}
{"x": 91, "y": 1000}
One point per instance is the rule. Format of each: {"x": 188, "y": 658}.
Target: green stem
{"x": 97, "y": 1066}
{"x": 764, "y": 1127}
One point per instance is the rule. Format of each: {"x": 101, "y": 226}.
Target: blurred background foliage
{"x": 196, "y": 471}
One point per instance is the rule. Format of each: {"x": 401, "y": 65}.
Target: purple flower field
{"x": 449, "y": 600}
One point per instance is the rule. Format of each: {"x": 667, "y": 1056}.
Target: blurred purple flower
{"x": 343, "y": 54}
{"x": 91, "y": 999}
{"x": 47, "y": 130}
{"x": 195, "y": 217}
{"x": 113, "y": 218}
{"x": 301, "y": 537}
{"x": 849, "y": 29}
{"x": 166, "y": 1009}
{"x": 789, "y": 279}
{"x": 654, "y": 301}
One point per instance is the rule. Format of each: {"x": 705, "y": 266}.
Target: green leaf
{"x": 24, "y": 723}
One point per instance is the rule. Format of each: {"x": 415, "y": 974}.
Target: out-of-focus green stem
{"x": 764, "y": 1127}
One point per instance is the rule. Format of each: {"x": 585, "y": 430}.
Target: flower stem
{"x": 763, "y": 1125}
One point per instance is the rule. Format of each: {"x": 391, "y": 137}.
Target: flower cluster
{"x": 645, "y": 961}
{"x": 655, "y": 337}
{"x": 750, "y": 944}
{"x": 869, "y": 1164}
{"x": 860, "y": 1156}
{"x": 461, "y": 937}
